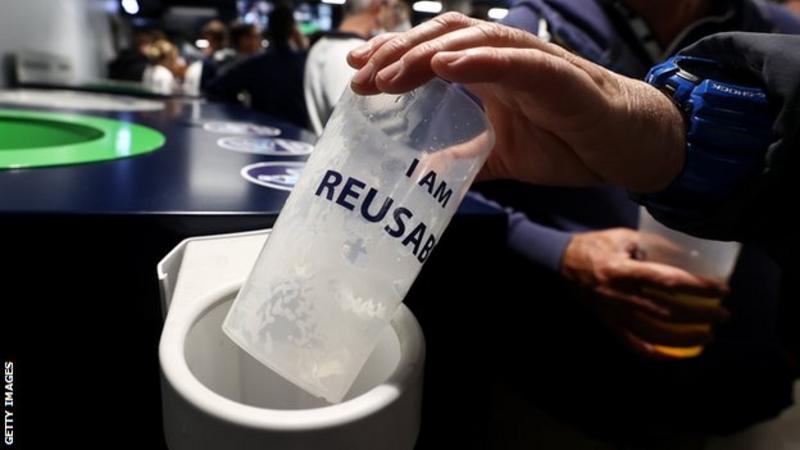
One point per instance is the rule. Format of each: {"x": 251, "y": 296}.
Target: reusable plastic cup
{"x": 383, "y": 182}
{"x": 702, "y": 257}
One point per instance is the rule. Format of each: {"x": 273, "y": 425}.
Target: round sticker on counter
{"x": 276, "y": 175}
{"x": 265, "y": 146}
{"x": 241, "y": 128}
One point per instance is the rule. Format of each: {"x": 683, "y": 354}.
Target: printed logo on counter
{"x": 276, "y": 175}
{"x": 241, "y": 128}
{"x": 265, "y": 146}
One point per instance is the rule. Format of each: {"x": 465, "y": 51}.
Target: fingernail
{"x": 364, "y": 75}
{"x": 391, "y": 72}
{"x": 449, "y": 58}
{"x": 360, "y": 51}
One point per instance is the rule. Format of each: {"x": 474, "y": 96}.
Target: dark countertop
{"x": 190, "y": 175}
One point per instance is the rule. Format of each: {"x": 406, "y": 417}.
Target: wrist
{"x": 574, "y": 261}
{"x": 658, "y": 143}
{"x": 727, "y": 126}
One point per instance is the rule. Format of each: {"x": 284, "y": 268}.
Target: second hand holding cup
{"x": 382, "y": 184}
{"x": 701, "y": 257}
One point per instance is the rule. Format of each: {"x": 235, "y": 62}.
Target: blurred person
{"x": 246, "y": 39}
{"x": 131, "y": 62}
{"x": 327, "y": 73}
{"x": 216, "y": 54}
{"x": 245, "y": 42}
{"x": 165, "y": 70}
{"x": 272, "y": 80}
{"x": 568, "y": 238}
{"x": 216, "y": 34}
{"x": 793, "y": 5}
{"x": 298, "y": 41}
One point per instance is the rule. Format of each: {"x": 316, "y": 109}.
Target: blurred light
{"x": 201, "y": 43}
{"x": 497, "y": 13}
{"x": 302, "y": 16}
{"x": 426, "y": 6}
{"x": 130, "y": 6}
{"x": 334, "y": 2}
{"x": 264, "y": 43}
{"x": 111, "y": 6}
{"x": 122, "y": 142}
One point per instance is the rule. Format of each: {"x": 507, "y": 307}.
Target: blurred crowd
{"x": 277, "y": 70}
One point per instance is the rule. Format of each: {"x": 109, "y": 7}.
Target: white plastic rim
{"x": 172, "y": 358}
{"x": 58, "y": 98}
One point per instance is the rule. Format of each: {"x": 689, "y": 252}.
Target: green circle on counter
{"x": 40, "y": 139}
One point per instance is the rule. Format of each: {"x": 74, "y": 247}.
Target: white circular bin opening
{"x": 223, "y": 367}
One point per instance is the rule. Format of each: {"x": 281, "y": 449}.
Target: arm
{"x": 758, "y": 210}
{"x": 539, "y": 244}
{"x": 555, "y": 115}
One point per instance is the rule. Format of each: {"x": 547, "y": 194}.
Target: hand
{"x": 624, "y": 292}
{"x": 298, "y": 40}
{"x": 558, "y": 119}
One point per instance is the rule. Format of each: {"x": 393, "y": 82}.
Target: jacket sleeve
{"x": 539, "y": 244}
{"x": 762, "y": 210}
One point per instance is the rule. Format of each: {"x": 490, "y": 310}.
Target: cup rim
{"x": 460, "y": 92}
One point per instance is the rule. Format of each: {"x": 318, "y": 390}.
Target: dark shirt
{"x": 129, "y": 65}
{"x": 274, "y": 81}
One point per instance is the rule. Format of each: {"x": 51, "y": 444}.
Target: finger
{"x": 359, "y": 56}
{"x": 688, "y": 308}
{"x": 414, "y": 66}
{"x": 641, "y": 347}
{"x": 631, "y": 302}
{"x": 391, "y": 50}
{"x": 563, "y": 96}
{"x": 658, "y": 332}
{"x": 615, "y": 324}
{"x": 635, "y": 274}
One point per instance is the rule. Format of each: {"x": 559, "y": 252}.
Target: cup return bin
{"x": 215, "y": 396}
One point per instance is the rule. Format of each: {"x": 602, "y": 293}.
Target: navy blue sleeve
{"x": 539, "y": 244}
{"x": 523, "y": 16}
{"x": 785, "y": 21}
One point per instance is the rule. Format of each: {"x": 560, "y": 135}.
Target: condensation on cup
{"x": 383, "y": 182}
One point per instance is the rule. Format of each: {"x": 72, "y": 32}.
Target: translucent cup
{"x": 702, "y": 257}
{"x": 383, "y": 182}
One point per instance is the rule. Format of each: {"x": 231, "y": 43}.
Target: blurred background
{"x": 90, "y": 35}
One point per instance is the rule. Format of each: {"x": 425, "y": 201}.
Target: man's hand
{"x": 558, "y": 118}
{"x": 620, "y": 288}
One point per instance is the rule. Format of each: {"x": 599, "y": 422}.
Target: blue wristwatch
{"x": 728, "y": 131}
